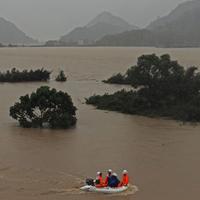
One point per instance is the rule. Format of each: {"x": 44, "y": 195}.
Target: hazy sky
{"x": 49, "y": 19}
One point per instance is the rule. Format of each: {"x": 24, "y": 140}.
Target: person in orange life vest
{"x": 108, "y": 177}
{"x": 125, "y": 179}
{"x": 99, "y": 180}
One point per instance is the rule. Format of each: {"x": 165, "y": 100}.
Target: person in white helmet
{"x": 107, "y": 180}
{"x": 114, "y": 181}
{"x": 125, "y": 179}
{"x": 99, "y": 180}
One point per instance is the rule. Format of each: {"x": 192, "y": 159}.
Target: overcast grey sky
{"x": 49, "y": 19}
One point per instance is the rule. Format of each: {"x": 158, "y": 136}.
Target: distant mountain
{"x": 102, "y": 25}
{"x": 129, "y": 38}
{"x": 181, "y": 28}
{"x": 183, "y": 14}
{"x": 107, "y": 17}
{"x": 10, "y": 34}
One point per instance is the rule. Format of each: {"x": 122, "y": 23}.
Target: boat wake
{"x": 76, "y": 191}
{"x": 131, "y": 191}
{"x": 70, "y": 191}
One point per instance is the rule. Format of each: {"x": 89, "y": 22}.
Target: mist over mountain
{"x": 11, "y": 34}
{"x": 181, "y": 16}
{"x": 107, "y": 17}
{"x": 104, "y": 24}
{"x": 181, "y": 28}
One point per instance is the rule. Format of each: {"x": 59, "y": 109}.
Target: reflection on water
{"x": 162, "y": 156}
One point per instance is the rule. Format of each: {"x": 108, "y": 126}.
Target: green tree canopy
{"x": 151, "y": 70}
{"x": 45, "y": 106}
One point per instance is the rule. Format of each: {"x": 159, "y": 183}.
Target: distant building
{"x": 81, "y": 42}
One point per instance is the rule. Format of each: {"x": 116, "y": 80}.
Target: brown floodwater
{"x": 162, "y": 156}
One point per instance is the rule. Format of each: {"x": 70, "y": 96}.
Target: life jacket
{"x": 100, "y": 182}
{"x": 125, "y": 180}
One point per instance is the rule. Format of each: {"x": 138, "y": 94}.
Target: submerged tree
{"x": 162, "y": 88}
{"x": 45, "y": 107}
{"x": 61, "y": 77}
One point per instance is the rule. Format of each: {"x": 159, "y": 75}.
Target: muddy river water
{"x": 162, "y": 156}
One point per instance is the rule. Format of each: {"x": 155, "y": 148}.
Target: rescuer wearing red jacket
{"x": 99, "y": 180}
{"x": 125, "y": 179}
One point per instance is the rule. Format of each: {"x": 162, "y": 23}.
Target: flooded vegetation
{"x": 61, "y": 77}
{"x": 162, "y": 87}
{"x": 162, "y": 156}
{"x": 15, "y": 75}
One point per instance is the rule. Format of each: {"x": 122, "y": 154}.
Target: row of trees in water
{"x": 15, "y": 75}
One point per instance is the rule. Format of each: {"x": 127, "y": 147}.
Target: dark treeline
{"x": 15, "y": 75}
{"x": 137, "y": 38}
{"x": 151, "y": 38}
{"x": 161, "y": 87}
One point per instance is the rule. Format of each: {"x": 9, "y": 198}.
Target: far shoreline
{"x": 96, "y": 46}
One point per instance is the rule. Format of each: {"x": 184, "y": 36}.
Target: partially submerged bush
{"x": 45, "y": 106}
{"x": 61, "y": 77}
